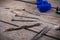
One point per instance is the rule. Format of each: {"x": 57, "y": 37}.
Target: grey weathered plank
{"x": 49, "y": 17}
{"x": 46, "y": 38}
{"x": 54, "y": 33}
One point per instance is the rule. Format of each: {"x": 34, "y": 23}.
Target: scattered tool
{"x": 22, "y": 27}
{"x": 58, "y": 10}
{"x": 16, "y": 15}
{"x": 28, "y": 17}
{"x": 24, "y": 20}
{"x": 41, "y": 33}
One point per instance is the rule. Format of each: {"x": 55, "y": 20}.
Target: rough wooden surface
{"x": 50, "y": 18}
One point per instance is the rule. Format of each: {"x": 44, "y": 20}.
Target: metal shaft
{"x": 24, "y": 20}
{"x": 23, "y": 27}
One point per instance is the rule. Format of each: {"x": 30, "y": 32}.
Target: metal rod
{"x": 41, "y": 33}
{"x": 28, "y": 17}
{"x": 44, "y": 34}
{"x": 22, "y": 27}
{"x": 24, "y": 20}
{"x": 9, "y": 23}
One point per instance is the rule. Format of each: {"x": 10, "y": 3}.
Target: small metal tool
{"x": 24, "y": 20}
{"x": 28, "y": 17}
{"x": 57, "y": 9}
{"x": 41, "y": 33}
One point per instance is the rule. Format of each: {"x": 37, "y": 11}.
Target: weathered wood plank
{"x": 46, "y": 38}
{"x": 49, "y": 18}
{"x": 54, "y": 33}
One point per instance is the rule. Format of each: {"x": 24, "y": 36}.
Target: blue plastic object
{"x": 43, "y": 5}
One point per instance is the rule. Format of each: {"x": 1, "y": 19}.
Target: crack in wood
{"x": 26, "y": 2}
{"x": 9, "y": 23}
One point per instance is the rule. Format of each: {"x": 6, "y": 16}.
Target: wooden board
{"x": 50, "y": 18}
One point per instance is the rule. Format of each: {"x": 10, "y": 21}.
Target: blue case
{"x": 43, "y": 6}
